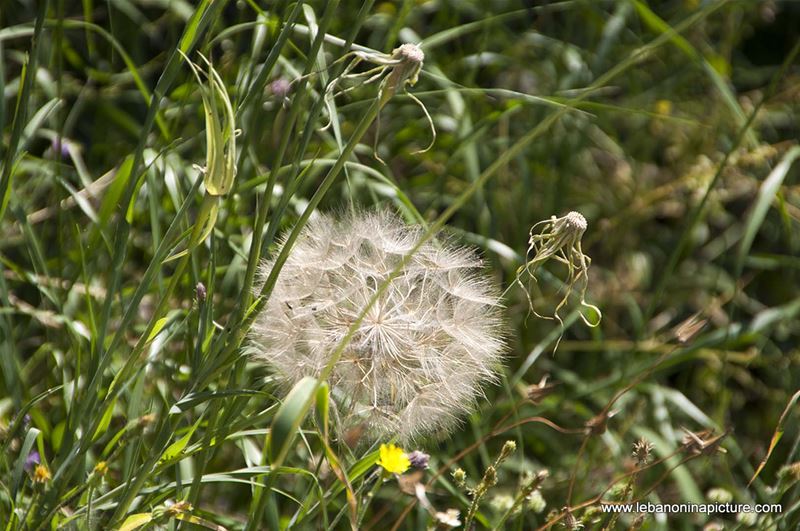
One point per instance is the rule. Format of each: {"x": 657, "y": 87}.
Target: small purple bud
{"x": 61, "y": 146}
{"x": 33, "y": 459}
{"x": 26, "y": 421}
{"x": 280, "y": 87}
{"x": 419, "y": 459}
{"x": 200, "y": 292}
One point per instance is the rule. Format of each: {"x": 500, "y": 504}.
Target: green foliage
{"x": 128, "y": 271}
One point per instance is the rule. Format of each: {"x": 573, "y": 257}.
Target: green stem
{"x": 259, "y": 499}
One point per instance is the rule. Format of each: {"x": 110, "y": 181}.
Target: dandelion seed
{"x": 393, "y": 459}
{"x": 419, "y": 356}
{"x": 560, "y": 239}
{"x": 689, "y": 328}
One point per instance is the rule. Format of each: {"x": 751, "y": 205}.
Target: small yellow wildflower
{"x": 663, "y": 107}
{"x": 101, "y": 468}
{"x": 41, "y": 474}
{"x": 393, "y": 459}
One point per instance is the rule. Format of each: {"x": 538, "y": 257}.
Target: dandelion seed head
{"x": 575, "y": 222}
{"x": 410, "y": 52}
{"x": 408, "y": 59}
{"x": 419, "y": 356}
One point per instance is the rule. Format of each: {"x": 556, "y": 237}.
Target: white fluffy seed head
{"x": 418, "y": 359}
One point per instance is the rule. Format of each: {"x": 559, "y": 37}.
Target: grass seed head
{"x": 419, "y": 356}
{"x": 459, "y": 477}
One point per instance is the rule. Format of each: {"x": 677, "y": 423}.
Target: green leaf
{"x": 776, "y": 436}
{"x": 57, "y": 437}
{"x": 157, "y": 328}
{"x": 193, "y": 399}
{"x": 19, "y": 467}
{"x": 323, "y": 407}
{"x": 199, "y": 521}
{"x": 766, "y": 194}
{"x": 27, "y": 77}
{"x": 114, "y": 192}
{"x": 105, "y": 421}
{"x": 289, "y": 417}
{"x": 136, "y": 521}
{"x": 175, "y": 449}
{"x": 715, "y": 67}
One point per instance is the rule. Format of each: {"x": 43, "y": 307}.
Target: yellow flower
{"x": 393, "y": 459}
{"x": 663, "y": 107}
{"x": 101, "y": 468}
{"x": 41, "y": 474}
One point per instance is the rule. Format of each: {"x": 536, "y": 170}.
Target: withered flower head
{"x": 642, "y": 450}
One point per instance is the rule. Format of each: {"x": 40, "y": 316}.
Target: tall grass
{"x": 128, "y": 284}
